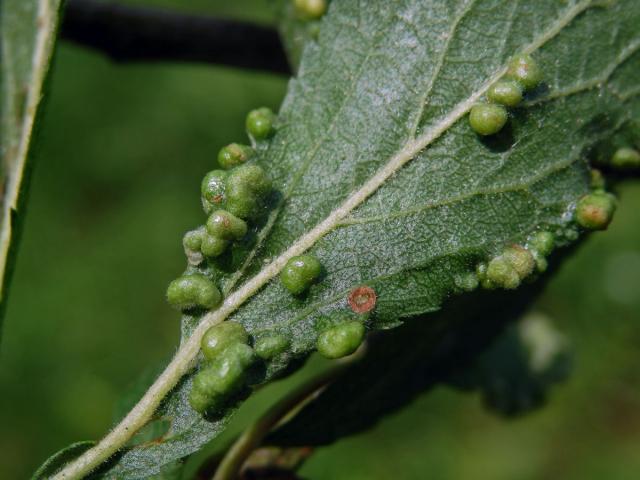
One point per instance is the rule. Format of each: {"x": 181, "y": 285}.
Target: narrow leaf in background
{"x": 27, "y": 37}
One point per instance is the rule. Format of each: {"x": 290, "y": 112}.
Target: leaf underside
{"x": 27, "y": 37}
{"x": 388, "y": 85}
{"x": 415, "y": 358}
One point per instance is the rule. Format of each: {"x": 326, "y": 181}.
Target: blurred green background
{"x": 121, "y": 155}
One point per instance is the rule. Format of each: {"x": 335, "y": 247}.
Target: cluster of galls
{"x": 227, "y": 359}
{"x": 231, "y": 197}
{"x": 516, "y": 262}
{"x": 523, "y": 74}
{"x": 593, "y": 211}
{"x": 507, "y": 270}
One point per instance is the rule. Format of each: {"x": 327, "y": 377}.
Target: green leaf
{"x": 378, "y": 174}
{"x": 27, "y": 36}
{"x": 416, "y": 357}
{"x": 295, "y": 31}
{"x": 421, "y": 355}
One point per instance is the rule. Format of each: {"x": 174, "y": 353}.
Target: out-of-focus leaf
{"x": 402, "y": 364}
{"x": 514, "y": 375}
{"x": 27, "y": 36}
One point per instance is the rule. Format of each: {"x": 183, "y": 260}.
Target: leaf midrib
{"x": 403, "y": 156}
{"x": 181, "y": 362}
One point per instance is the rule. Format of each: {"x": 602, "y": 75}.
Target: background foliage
{"x": 122, "y": 153}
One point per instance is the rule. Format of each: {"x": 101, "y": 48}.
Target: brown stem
{"x": 129, "y": 33}
{"x": 252, "y": 437}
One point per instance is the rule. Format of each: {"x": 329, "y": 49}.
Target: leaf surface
{"x": 377, "y": 173}
{"x": 421, "y": 355}
{"x": 27, "y": 36}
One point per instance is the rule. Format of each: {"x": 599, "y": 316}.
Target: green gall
{"x": 525, "y": 70}
{"x": 222, "y": 377}
{"x": 233, "y": 155}
{"x": 542, "y": 242}
{"x": 310, "y": 9}
{"x": 626, "y": 159}
{"x": 481, "y": 272}
{"x": 213, "y": 246}
{"x": 247, "y": 185}
{"x": 271, "y": 346}
{"x": 193, "y": 291}
{"x": 509, "y": 269}
{"x": 467, "y": 282}
{"x": 213, "y": 189}
{"x": 223, "y": 224}
{"x": 341, "y": 340}
{"x": 487, "y": 119}
{"x": 595, "y": 210}
{"x": 541, "y": 262}
{"x": 251, "y": 177}
{"x": 191, "y": 242}
{"x": 227, "y": 372}
{"x": 501, "y": 273}
{"x": 193, "y": 238}
{"x": 300, "y": 272}
{"x": 260, "y": 123}
{"x": 221, "y": 336}
{"x": 520, "y": 259}
{"x": 200, "y": 401}
{"x": 242, "y": 202}
{"x": 505, "y": 92}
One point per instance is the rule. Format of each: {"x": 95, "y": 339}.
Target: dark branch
{"x": 126, "y": 34}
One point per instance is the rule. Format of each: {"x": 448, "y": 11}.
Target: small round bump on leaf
{"x": 242, "y": 202}
{"x": 310, "y": 9}
{"x": 505, "y": 92}
{"x": 626, "y": 158}
{"x": 213, "y": 246}
{"x": 260, "y": 123}
{"x": 541, "y": 263}
{"x": 193, "y": 238}
{"x": 252, "y": 177}
{"x": 481, "y": 272}
{"x": 193, "y": 291}
{"x": 525, "y": 70}
{"x": 219, "y": 337}
{"x": 191, "y": 242}
{"x": 542, "y": 242}
{"x": 233, "y": 155}
{"x": 213, "y": 187}
{"x": 467, "y": 282}
{"x": 595, "y": 210}
{"x": 501, "y": 273}
{"x": 362, "y": 299}
{"x": 246, "y": 186}
{"x": 300, "y": 272}
{"x": 341, "y": 340}
{"x": 521, "y": 260}
{"x": 271, "y": 346}
{"x": 222, "y": 377}
{"x": 200, "y": 401}
{"x": 487, "y": 119}
{"x": 223, "y": 224}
